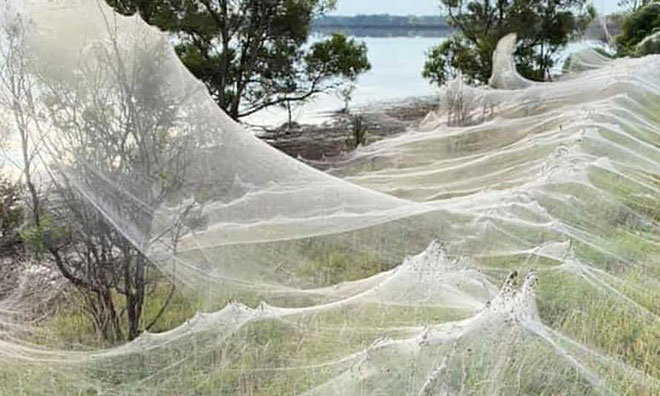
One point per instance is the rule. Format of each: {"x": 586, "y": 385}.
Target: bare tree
{"x": 16, "y": 97}
{"x": 119, "y": 104}
{"x": 118, "y": 150}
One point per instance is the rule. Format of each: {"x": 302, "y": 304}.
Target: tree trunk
{"x": 114, "y": 328}
{"x": 102, "y": 310}
{"x": 134, "y": 278}
{"x": 224, "y": 68}
{"x": 288, "y": 108}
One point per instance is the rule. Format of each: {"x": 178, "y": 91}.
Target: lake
{"x": 396, "y": 73}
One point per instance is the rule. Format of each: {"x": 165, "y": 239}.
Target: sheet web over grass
{"x": 517, "y": 255}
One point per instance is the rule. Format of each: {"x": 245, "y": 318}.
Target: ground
{"x": 328, "y": 140}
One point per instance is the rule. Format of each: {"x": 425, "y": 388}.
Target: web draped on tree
{"x": 517, "y": 250}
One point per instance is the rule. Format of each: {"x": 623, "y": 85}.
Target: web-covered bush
{"x": 11, "y": 213}
{"x": 650, "y": 45}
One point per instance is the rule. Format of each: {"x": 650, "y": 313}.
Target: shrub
{"x": 637, "y": 27}
{"x": 650, "y": 45}
{"x": 358, "y": 132}
{"x": 11, "y": 213}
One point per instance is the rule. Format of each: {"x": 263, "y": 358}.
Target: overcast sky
{"x": 418, "y": 7}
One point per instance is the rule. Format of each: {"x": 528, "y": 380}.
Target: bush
{"x": 637, "y": 27}
{"x": 649, "y": 46}
{"x": 543, "y": 30}
{"x": 11, "y": 213}
{"x": 358, "y": 132}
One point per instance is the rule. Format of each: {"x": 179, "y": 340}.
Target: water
{"x": 397, "y": 65}
{"x": 396, "y": 74}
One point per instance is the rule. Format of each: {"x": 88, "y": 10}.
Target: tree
{"x": 337, "y": 56}
{"x": 632, "y": 5}
{"x": 346, "y": 96}
{"x": 250, "y": 53}
{"x": 543, "y": 28}
{"x": 120, "y": 148}
{"x": 325, "y": 60}
{"x": 118, "y": 100}
{"x": 16, "y": 98}
{"x": 639, "y": 25}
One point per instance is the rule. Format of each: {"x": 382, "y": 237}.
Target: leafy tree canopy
{"x": 252, "y": 54}
{"x": 543, "y": 27}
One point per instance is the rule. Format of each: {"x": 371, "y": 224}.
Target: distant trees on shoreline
{"x": 383, "y": 21}
{"x": 383, "y": 25}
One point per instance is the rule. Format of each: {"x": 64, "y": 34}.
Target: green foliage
{"x": 41, "y": 236}
{"x": 250, "y": 53}
{"x": 338, "y": 56}
{"x": 11, "y": 211}
{"x": 438, "y": 68}
{"x": 543, "y": 29}
{"x": 642, "y": 23}
{"x": 331, "y": 64}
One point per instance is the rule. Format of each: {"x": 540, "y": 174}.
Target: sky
{"x": 420, "y": 7}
